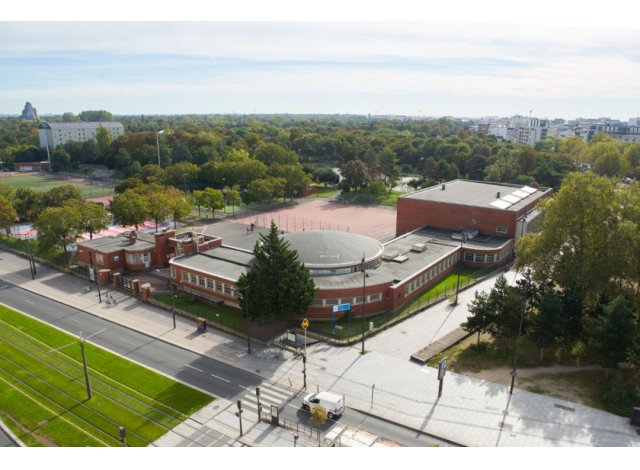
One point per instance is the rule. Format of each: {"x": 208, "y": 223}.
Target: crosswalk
{"x": 269, "y": 395}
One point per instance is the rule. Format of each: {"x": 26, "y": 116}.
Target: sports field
{"x": 43, "y": 184}
{"x": 43, "y": 394}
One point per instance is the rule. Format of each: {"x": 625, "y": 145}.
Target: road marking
{"x": 246, "y": 388}
{"x": 194, "y": 368}
{"x": 73, "y": 320}
{"x": 220, "y": 378}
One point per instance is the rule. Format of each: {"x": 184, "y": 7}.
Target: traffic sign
{"x": 305, "y": 324}
{"x": 341, "y": 308}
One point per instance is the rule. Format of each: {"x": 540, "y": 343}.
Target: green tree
{"x": 277, "y": 285}
{"x": 232, "y": 198}
{"x": 213, "y": 199}
{"x": 103, "y": 143}
{"x": 8, "y": 214}
{"x": 356, "y": 175}
{"x": 7, "y": 192}
{"x": 483, "y": 315}
{"x": 129, "y": 208}
{"x": 56, "y": 197}
{"x": 95, "y": 116}
{"x": 611, "y": 163}
{"x": 179, "y": 204}
{"x": 572, "y": 249}
{"x": 158, "y": 204}
{"x": 27, "y": 203}
{"x": 547, "y": 325}
{"x": 199, "y": 199}
{"x": 260, "y": 189}
{"x": 615, "y": 334}
{"x": 92, "y": 216}
{"x": 57, "y": 226}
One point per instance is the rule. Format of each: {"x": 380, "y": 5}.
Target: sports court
{"x": 321, "y": 214}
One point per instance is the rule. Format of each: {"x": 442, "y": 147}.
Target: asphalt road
{"x": 214, "y": 377}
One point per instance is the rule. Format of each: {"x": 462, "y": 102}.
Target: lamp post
{"x": 95, "y": 276}
{"x": 84, "y": 366}
{"x": 364, "y": 298}
{"x": 515, "y": 357}
{"x": 173, "y": 305}
{"x": 158, "y": 144}
{"x": 244, "y": 290}
{"x": 463, "y": 239}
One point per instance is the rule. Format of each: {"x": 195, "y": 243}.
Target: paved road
{"x": 202, "y": 372}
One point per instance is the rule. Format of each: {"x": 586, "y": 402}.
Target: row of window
{"x": 138, "y": 258}
{"x": 377, "y": 297}
{"x": 206, "y": 283}
{"x": 431, "y": 273}
{"x": 488, "y": 258}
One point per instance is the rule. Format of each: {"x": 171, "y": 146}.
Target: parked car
{"x": 333, "y": 403}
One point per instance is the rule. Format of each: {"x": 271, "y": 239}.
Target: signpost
{"x": 442, "y": 370}
{"x": 338, "y": 308}
{"x": 304, "y": 325}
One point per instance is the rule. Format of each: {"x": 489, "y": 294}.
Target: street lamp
{"x": 173, "y": 305}
{"x": 158, "y": 144}
{"x": 364, "y": 298}
{"x": 515, "y": 357}
{"x": 244, "y": 290}
{"x": 463, "y": 239}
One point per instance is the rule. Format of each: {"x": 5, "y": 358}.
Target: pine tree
{"x": 277, "y": 286}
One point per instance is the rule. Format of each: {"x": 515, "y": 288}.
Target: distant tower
{"x": 29, "y": 112}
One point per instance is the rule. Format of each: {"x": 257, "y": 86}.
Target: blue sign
{"x": 341, "y": 307}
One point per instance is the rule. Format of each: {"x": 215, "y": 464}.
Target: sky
{"x": 478, "y": 59}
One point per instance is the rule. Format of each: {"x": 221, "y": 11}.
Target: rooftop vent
{"x": 443, "y": 186}
{"x": 419, "y": 247}
{"x": 400, "y": 259}
{"x": 498, "y": 195}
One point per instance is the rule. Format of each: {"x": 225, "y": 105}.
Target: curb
{"x": 12, "y": 437}
{"x": 410, "y": 428}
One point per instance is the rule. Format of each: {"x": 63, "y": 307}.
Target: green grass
{"x": 43, "y": 397}
{"x": 41, "y": 184}
{"x": 222, "y": 315}
{"x": 323, "y": 192}
{"x": 352, "y": 328}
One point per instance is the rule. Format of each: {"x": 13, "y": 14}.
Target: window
{"x": 227, "y": 289}
{"x": 468, "y": 256}
{"x": 99, "y": 258}
{"x": 210, "y": 284}
{"x": 479, "y": 258}
{"x": 219, "y": 286}
{"x": 201, "y": 281}
{"x": 185, "y": 276}
{"x": 193, "y": 278}
{"x": 502, "y": 229}
{"x": 134, "y": 259}
{"x": 331, "y": 301}
{"x": 375, "y": 297}
{"x": 358, "y": 300}
{"x": 489, "y": 258}
{"x": 317, "y": 303}
{"x": 173, "y": 273}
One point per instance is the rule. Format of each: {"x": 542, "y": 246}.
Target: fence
{"x": 308, "y": 431}
{"x": 291, "y": 224}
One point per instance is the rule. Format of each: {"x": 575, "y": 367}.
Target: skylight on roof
{"x": 528, "y": 189}
{"x": 520, "y": 194}
{"x": 511, "y": 198}
{"x": 501, "y": 204}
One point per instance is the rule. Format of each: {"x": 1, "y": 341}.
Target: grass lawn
{"x": 361, "y": 197}
{"x": 43, "y": 396}
{"x": 225, "y": 316}
{"x": 323, "y": 192}
{"x": 42, "y": 184}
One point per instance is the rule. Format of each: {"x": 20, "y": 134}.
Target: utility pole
{"x": 364, "y": 299}
{"x": 515, "y": 357}
{"x": 32, "y": 266}
{"x": 239, "y": 415}
{"x": 173, "y": 305}
{"x": 84, "y": 365}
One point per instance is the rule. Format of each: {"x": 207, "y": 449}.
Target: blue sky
{"x": 466, "y": 63}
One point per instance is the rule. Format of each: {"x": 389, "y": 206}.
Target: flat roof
{"x": 224, "y": 262}
{"x": 480, "y": 194}
{"x": 113, "y": 243}
{"x": 80, "y": 125}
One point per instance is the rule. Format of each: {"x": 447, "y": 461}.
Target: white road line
{"x": 194, "y": 368}
{"x": 73, "y": 320}
{"x": 127, "y": 341}
{"x": 220, "y": 378}
{"x": 246, "y": 388}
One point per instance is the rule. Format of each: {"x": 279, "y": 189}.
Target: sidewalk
{"x": 383, "y": 382}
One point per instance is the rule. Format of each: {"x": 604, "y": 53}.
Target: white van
{"x": 334, "y": 404}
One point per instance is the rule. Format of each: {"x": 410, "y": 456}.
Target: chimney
{"x": 443, "y": 186}
{"x": 132, "y": 237}
{"x": 498, "y": 195}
